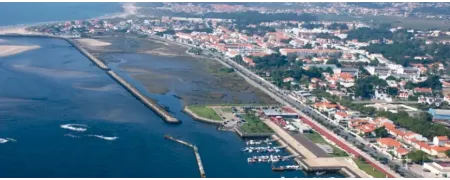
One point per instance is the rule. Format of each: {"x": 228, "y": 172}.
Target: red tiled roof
{"x": 440, "y": 148}
{"x": 442, "y": 138}
{"x": 389, "y": 142}
{"x": 423, "y": 90}
{"x": 342, "y": 114}
{"x": 402, "y": 151}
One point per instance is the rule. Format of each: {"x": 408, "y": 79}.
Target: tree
{"x": 286, "y": 40}
{"x": 447, "y": 153}
{"x": 410, "y": 85}
{"x": 391, "y": 78}
{"x": 432, "y": 82}
{"x": 334, "y": 61}
{"x": 392, "y": 91}
{"x": 374, "y": 62}
{"x": 338, "y": 26}
{"x": 418, "y": 157}
{"x": 365, "y": 87}
{"x": 381, "y": 132}
{"x": 308, "y": 46}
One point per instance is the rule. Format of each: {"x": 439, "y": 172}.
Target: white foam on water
{"x": 5, "y": 140}
{"x": 71, "y": 135}
{"x": 11, "y": 139}
{"x": 104, "y": 137}
{"x": 75, "y": 127}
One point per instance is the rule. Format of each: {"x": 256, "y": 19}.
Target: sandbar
{"x": 93, "y": 42}
{"x": 8, "y": 50}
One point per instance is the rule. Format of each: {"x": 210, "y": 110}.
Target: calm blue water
{"x": 26, "y": 13}
{"x": 56, "y": 85}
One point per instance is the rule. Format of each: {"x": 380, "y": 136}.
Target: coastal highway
{"x": 284, "y": 99}
{"x": 301, "y": 109}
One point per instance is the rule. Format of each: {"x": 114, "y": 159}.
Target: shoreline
{"x": 155, "y": 107}
{"x": 128, "y": 9}
{"x": 10, "y": 50}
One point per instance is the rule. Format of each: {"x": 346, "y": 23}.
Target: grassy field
{"x": 368, "y": 169}
{"x": 317, "y": 138}
{"x": 406, "y": 22}
{"x": 254, "y": 125}
{"x": 205, "y": 112}
{"x": 226, "y": 109}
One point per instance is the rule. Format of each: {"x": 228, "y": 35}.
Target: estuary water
{"x": 61, "y": 116}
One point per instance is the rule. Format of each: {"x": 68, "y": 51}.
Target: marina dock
{"x": 197, "y": 155}
{"x": 309, "y": 161}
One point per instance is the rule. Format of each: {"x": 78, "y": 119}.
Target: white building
{"x": 378, "y": 71}
{"x": 441, "y": 169}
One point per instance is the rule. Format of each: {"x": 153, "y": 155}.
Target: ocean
{"x": 17, "y": 13}
{"x": 64, "y": 117}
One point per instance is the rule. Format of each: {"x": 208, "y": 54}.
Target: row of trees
{"x": 420, "y": 123}
{"x": 338, "y": 26}
{"x": 366, "y": 34}
{"x": 255, "y": 17}
{"x": 327, "y": 36}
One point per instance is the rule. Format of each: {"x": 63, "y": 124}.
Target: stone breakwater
{"x": 130, "y": 88}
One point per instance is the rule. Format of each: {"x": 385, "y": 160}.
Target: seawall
{"x": 197, "y": 154}
{"x": 130, "y": 88}
{"x": 198, "y": 118}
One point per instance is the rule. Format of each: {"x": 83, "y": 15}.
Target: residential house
{"x": 402, "y": 94}
{"x": 309, "y": 52}
{"x": 440, "y": 140}
{"x": 288, "y": 79}
{"x": 388, "y": 143}
{"x": 325, "y": 106}
{"x": 401, "y": 152}
{"x": 341, "y": 115}
{"x": 422, "y": 90}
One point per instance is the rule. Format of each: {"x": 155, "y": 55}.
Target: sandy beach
{"x": 129, "y": 9}
{"x": 9, "y": 50}
{"x": 93, "y": 42}
{"x": 16, "y": 30}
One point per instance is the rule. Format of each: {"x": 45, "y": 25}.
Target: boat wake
{"x": 104, "y": 137}
{"x": 71, "y": 135}
{"x": 5, "y": 140}
{"x": 75, "y": 127}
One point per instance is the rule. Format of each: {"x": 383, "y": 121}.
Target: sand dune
{"x": 93, "y": 42}
{"x": 58, "y": 73}
{"x": 8, "y": 50}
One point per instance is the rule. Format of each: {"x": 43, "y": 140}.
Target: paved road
{"x": 311, "y": 146}
{"x": 282, "y": 97}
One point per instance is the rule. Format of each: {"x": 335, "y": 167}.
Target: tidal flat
{"x": 165, "y": 67}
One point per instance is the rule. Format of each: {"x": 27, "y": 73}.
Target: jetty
{"x": 133, "y": 90}
{"x": 197, "y": 155}
{"x": 153, "y": 105}
{"x": 130, "y": 88}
